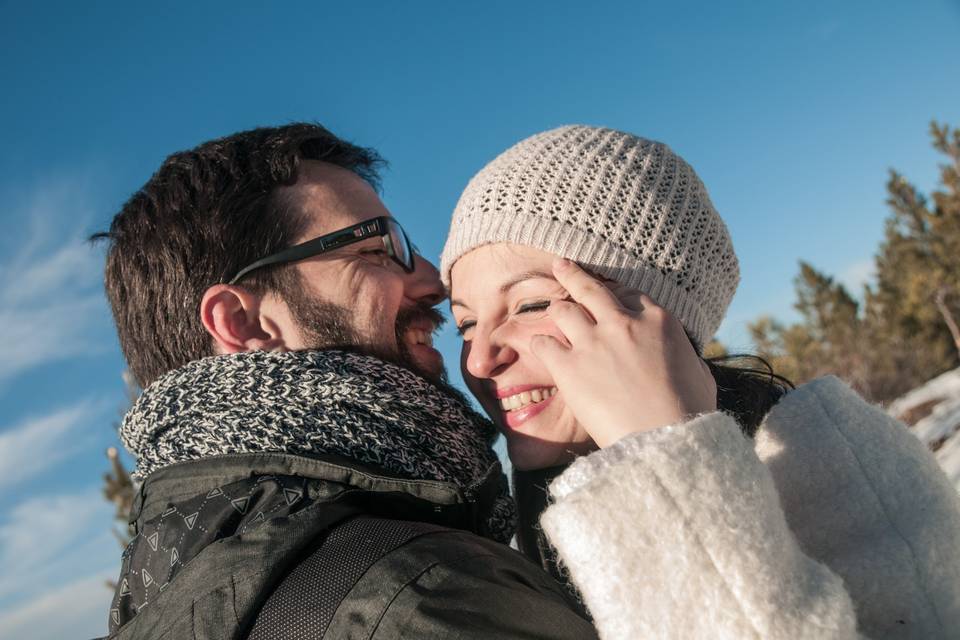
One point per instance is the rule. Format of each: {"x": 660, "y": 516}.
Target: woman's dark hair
{"x": 747, "y": 388}
{"x": 205, "y": 214}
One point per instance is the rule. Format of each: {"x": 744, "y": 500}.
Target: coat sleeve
{"x": 865, "y": 497}
{"x": 681, "y": 532}
{"x": 678, "y": 533}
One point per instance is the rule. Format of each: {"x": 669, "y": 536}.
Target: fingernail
{"x": 563, "y": 263}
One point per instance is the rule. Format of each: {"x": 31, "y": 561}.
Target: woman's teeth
{"x": 520, "y": 400}
{"x": 415, "y": 336}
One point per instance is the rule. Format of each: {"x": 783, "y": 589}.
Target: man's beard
{"x": 325, "y": 325}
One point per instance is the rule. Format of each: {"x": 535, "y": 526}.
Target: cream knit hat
{"x": 626, "y": 208}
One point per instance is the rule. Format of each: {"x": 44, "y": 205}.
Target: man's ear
{"x": 235, "y": 320}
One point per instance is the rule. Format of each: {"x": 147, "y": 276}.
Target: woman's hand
{"x": 623, "y": 370}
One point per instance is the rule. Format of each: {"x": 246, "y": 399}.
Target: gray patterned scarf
{"x": 316, "y": 402}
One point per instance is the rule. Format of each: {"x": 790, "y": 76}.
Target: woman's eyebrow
{"x": 509, "y": 284}
{"x": 526, "y": 275}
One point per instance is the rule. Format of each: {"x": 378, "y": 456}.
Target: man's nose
{"x": 424, "y": 285}
{"x": 486, "y": 355}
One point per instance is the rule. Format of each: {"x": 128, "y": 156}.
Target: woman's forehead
{"x": 503, "y": 256}
{"x": 498, "y": 267}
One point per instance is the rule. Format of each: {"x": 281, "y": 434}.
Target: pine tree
{"x": 828, "y": 338}
{"x": 118, "y": 486}
{"x": 907, "y": 328}
{"x": 912, "y": 310}
{"x": 715, "y": 349}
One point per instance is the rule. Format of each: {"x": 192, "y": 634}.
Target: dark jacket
{"x": 276, "y": 545}
{"x": 531, "y": 492}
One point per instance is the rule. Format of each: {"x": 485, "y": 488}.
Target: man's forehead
{"x": 331, "y": 197}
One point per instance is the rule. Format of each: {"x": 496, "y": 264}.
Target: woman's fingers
{"x": 607, "y": 356}
{"x": 549, "y": 351}
{"x": 629, "y": 298}
{"x": 586, "y": 290}
{"x": 646, "y": 302}
{"x": 572, "y": 319}
{"x": 578, "y": 321}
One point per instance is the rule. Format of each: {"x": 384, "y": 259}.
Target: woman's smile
{"x": 519, "y": 404}
{"x": 498, "y": 312}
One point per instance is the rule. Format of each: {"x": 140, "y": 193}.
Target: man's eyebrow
{"x": 509, "y": 284}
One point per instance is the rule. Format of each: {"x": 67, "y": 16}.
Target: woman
{"x": 834, "y": 521}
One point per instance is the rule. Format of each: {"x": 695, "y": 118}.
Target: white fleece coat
{"x": 834, "y": 523}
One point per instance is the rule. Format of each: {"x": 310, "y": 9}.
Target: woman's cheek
{"x": 472, "y": 383}
{"x": 545, "y": 327}
{"x": 475, "y": 386}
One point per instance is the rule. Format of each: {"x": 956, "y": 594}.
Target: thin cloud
{"x": 75, "y": 610}
{"x": 74, "y": 539}
{"x": 733, "y": 331}
{"x": 779, "y": 305}
{"x": 51, "y": 302}
{"x": 35, "y": 444}
{"x": 858, "y": 274}
{"x": 52, "y": 332}
{"x": 72, "y": 267}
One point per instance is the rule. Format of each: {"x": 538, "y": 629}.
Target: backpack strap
{"x": 305, "y": 601}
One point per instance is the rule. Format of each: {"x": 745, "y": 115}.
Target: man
{"x": 307, "y": 472}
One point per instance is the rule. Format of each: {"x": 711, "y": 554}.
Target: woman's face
{"x": 499, "y": 295}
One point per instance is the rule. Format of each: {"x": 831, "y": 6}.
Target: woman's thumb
{"x": 548, "y": 350}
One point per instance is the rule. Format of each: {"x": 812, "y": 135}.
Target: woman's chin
{"x": 529, "y": 454}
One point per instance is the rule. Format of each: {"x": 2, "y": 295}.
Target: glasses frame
{"x": 379, "y": 226}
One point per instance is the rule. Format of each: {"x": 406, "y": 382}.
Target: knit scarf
{"x": 316, "y": 402}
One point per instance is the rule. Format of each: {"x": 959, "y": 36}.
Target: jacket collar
{"x": 183, "y": 480}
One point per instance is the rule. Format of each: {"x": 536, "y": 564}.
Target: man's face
{"x": 357, "y": 296}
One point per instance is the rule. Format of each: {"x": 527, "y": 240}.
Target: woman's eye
{"x": 465, "y": 326}
{"x": 533, "y": 306}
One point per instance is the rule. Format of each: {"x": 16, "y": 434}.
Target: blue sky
{"x": 792, "y": 113}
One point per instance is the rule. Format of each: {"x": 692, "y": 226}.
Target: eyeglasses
{"x": 394, "y": 239}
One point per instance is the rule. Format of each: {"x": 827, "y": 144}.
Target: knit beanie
{"x": 626, "y": 208}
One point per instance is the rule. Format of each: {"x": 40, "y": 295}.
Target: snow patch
{"x": 944, "y": 386}
{"x": 938, "y": 424}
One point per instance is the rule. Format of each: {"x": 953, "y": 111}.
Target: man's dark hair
{"x": 205, "y": 214}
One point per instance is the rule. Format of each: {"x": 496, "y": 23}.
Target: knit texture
{"x": 624, "y": 207}
{"x": 316, "y": 402}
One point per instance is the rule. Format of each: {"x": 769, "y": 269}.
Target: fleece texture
{"x": 834, "y": 523}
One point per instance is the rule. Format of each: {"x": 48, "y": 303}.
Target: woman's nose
{"x": 486, "y": 355}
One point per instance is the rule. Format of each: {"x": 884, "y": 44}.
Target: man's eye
{"x": 533, "y": 306}
{"x": 376, "y": 252}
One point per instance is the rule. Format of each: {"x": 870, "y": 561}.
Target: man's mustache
{"x": 419, "y": 312}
